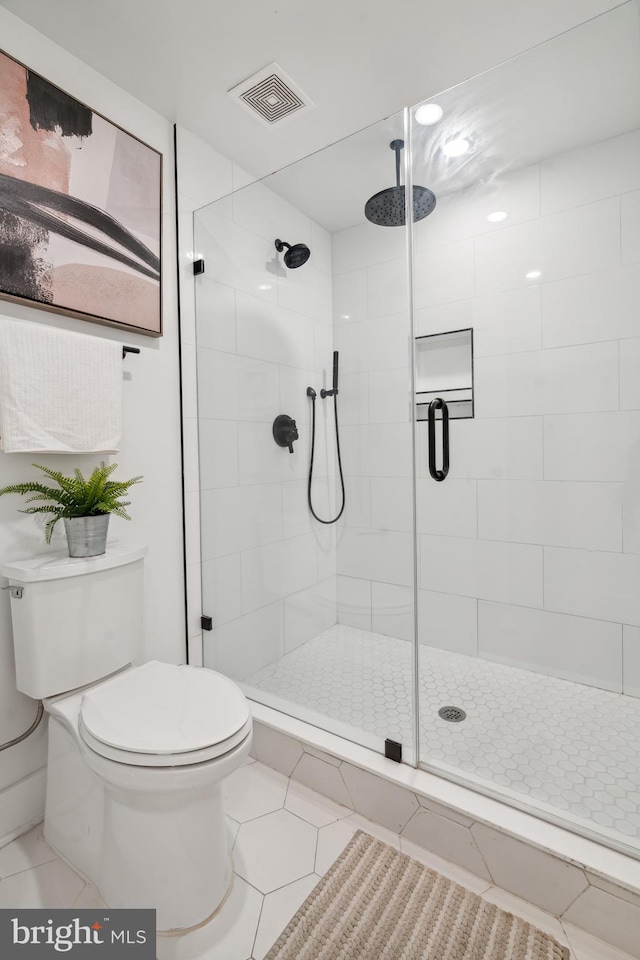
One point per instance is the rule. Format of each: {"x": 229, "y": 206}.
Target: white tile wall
{"x": 567, "y": 514}
{"x": 392, "y": 610}
{"x": 592, "y": 584}
{"x": 448, "y": 621}
{"x": 507, "y": 572}
{"x": 591, "y": 446}
{"x": 630, "y": 374}
{"x": 354, "y": 602}
{"x": 574, "y": 648}
{"x": 631, "y": 660}
{"x": 596, "y": 306}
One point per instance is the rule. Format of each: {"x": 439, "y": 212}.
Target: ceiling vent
{"x": 270, "y": 95}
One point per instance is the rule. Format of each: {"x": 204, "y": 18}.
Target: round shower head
{"x": 387, "y": 207}
{"x": 296, "y": 255}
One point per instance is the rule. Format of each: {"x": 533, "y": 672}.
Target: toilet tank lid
{"x": 57, "y": 565}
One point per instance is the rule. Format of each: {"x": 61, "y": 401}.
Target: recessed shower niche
{"x": 444, "y": 369}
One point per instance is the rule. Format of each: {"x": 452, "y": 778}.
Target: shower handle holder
{"x": 285, "y": 431}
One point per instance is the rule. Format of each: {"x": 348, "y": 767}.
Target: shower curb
{"x": 575, "y": 879}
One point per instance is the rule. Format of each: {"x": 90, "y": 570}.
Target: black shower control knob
{"x": 285, "y": 431}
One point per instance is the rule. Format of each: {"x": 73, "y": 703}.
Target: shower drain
{"x": 452, "y": 714}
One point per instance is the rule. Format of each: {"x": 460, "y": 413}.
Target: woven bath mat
{"x": 376, "y": 903}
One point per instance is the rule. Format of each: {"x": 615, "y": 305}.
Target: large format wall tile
{"x": 586, "y": 515}
{"x": 447, "y": 509}
{"x": 593, "y": 584}
{"x": 592, "y": 307}
{"x": 239, "y": 518}
{"x": 448, "y": 622}
{"x": 382, "y": 555}
{"x": 591, "y": 173}
{"x": 247, "y": 644}
{"x": 499, "y": 448}
{"x": 507, "y": 572}
{"x": 575, "y": 648}
{"x": 591, "y": 446}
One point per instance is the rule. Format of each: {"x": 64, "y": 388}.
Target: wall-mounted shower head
{"x": 296, "y": 255}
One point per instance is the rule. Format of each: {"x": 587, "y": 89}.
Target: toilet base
{"x": 145, "y": 837}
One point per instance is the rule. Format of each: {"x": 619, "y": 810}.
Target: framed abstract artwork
{"x": 80, "y": 208}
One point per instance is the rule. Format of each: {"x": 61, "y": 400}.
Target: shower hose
{"x": 313, "y": 444}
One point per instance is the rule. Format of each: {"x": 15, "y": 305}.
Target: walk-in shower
{"x": 487, "y": 557}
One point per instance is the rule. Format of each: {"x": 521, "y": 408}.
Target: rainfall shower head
{"x": 296, "y": 255}
{"x": 386, "y": 208}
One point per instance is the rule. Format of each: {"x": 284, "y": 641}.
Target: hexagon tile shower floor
{"x": 557, "y": 745}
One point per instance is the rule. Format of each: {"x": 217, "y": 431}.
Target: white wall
{"x": 151, "y": 438}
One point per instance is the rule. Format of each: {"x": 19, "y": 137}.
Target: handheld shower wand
{"x": 324, "y": 394}
{"x": 334, "y": 392}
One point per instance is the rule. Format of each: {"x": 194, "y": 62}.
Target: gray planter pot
{"x": 87, "y": 536}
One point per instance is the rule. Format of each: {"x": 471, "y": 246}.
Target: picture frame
{"x": 80, "y": 208}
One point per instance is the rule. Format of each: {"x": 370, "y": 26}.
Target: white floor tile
{"x": 27, "y": 851}
{"x": 278, "y": 908}
{"x": 252, "y": 791}
{"x": 585, "y": 947}
{"x": 229, "y": 934}
{"x": 332, "y": 840}
{"x": 310, "y": 806}
{"x": 49, "y": 885}
{"x": 275, "y": 850}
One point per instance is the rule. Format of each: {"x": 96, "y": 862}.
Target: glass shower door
{"x": 312, "y": 618}
{"x": 526, "y": 284}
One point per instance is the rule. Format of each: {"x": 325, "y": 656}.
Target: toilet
{"x": 137, "y": 754}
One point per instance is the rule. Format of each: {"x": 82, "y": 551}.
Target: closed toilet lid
{"x": 163, "y": 709}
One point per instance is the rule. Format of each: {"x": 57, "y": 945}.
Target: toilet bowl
{"x": 137, "y": 754}
{"x": 134, "y": 798}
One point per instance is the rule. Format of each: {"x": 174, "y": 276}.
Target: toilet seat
{"x": 164, "y": 715}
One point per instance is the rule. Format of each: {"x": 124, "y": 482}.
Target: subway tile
{"x": 239, "y": 518}
{"x": 592, "y": 584}
{"x": 249, "y": 643}
{"x": 447, "y": 509}
{"x": 500, "y": 448}
{"x": 309, "y": 612}
{"x": 215, "y": 307}
{"x": 218, "y": 453}
{"x": 391, "y": 503}
{"x": 490, "y": 570}
{"x": 578, "y": 379}
{"x": 582, "y": 240}
{"x": 591, "y": 172}
{"x": 630, "y": 374}
{"x": 597, "y": 306}
{"x": 564, "y": 514}
{"x": 591, "y": 446}
{"x": 448, "y": 622}
{"x": 354, "y": 602}
{"x": 350, "y": 297}
{"x": 392, "y": 610}
{"x": 631, "y": 661}
{"x": 630, "y": 212}
{"x": 222, "y": 588}
{"x": 558, "y": 645}
{"x": 381, "y": 555}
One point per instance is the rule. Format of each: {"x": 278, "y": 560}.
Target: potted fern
{"x": 85, "y": 505}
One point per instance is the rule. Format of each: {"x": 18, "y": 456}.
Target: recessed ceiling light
{"x": 428, "y": 114}
{"x": 533, "y": 274}
{"x": 264, "y": 286}
{"x": 497, "y": 216}
{"x": 456, "y": 148}
{"x": 346, "y": 316}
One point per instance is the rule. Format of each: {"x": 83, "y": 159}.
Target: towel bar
{"x": 126, "y": 350}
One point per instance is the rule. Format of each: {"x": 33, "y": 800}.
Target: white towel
{"x": 60, "y": 392}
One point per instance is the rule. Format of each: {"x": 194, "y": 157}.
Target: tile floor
{"x": 283, "y": 837}
{"x": 588, "y": 773}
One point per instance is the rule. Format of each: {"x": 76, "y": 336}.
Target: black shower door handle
{"x": 438, "y": 404}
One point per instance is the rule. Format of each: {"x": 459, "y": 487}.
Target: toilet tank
{"x": 77, "y": 619}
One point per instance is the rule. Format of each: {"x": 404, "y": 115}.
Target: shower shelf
{"x": 444, "y": 368}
